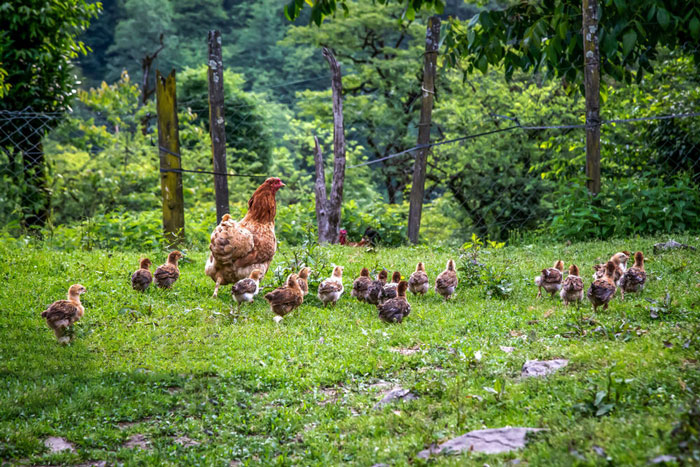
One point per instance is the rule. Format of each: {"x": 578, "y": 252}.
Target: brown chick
{"x": 634, "y": 279}
{"x": 389, "y": 290}
{"x": 303, "y": 280}
{"x": 418, "y": 282}
{"x": 64, "y": 313}
{"x": 168, "y": 273}
{"x": 246, "y": 289}
{"x": 572, "y": 287}
{"x": 446, "y": 282}
{"x": 360, "y": 285}
{"x": 620, "y": 261}
{"x": 396, "y": 309}
{"x": 602, "y": 290}
{"x": 142, "y": 278}
{"x": 330, "y": 290}
{"x": 550, "y": 279}
{"x": 283, "y": 300}
{"x": 376, "y": 288}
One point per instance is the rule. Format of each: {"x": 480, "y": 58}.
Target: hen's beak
{"x": 282, "y": 184}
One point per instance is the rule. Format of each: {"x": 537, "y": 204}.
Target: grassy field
{"x": 174, "y": 365}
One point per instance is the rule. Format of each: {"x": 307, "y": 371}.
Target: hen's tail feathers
{"x": 538, "y": 280}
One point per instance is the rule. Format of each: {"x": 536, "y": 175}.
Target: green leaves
{"x": 663, "y": 18}
{"x": 694, "y": 26}
{"x": 628, "y": 40}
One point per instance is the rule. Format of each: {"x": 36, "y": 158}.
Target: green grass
{"x": 174, "y": 363}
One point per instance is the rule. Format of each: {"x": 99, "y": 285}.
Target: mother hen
{"x": 239, "y": 247}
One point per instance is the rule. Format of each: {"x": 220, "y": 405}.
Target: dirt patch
{"x": 124, "y": 425}
{"x": 186, "y": 442}
{"x": 57, "y": 444}
{"x": 395, "y": 394}
{"x": 330, "y": 395}
{"x": 137, "y": 441}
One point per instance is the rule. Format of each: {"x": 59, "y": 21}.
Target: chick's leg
{"x": 216, "y": 288}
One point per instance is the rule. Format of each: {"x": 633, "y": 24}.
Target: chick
{"x": 446, "y": 281}
{"x": 418, "y": 282}
{"x": 375, "y": 290}
{"x": 620, "y": 262}
{"x": 360, "y": 285}
{"x": 142, "y": 278}
{"x": 63, "y": 313}
{"x": 283, "y": 300}
{"x": 389, "y": 290}
{"x": 330, "y": 290}
{"x": 620, "y": 259}
{"x": 634, "y": 278}
{"x": 602, "y": 290}
{"x": 168, "y": 273}
{"x": 396, "y": 309}
{"x": 572, "y": 287}
{"x": 550, "y": 279}
{"x": 304, "y": 280}
{"x": 246, "y": 289}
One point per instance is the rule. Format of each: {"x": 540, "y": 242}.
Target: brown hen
{"x": 168, "y": 273}
{"x": 141, "y": 279}
{"x": 360, "y": 285}
{"x": 418, "y": 282}
{"x": 446, "y": 282}
{"x": 602, "y": 290}
{"x": 634, "y": 278}
{"x": 287, "y": 298}
{"x": 63, "y": 313}
{"x": 396, "y": 309}
{"x": 572, "y": 287}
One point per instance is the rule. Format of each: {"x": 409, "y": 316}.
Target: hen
{"x": 343, "y": 239}
{"x": 389, "y": 290}
{"x": 285, "y": 299}
{"x": 141, "y": 279}
{"x": 168, "y": 273}
{"x": 446, "y": 282}
{"x": 375, "y": 289}
{"x": 396, "y": 309}
{"x": 602, "y": 290}
{"x": 303, "y": 280}
{"x": 63, "y": 313}
{"x": 634, "y": 278}
{"x": 360, "y": 285}
{"x": 330, "y": 290}
{"x": 246, "y": 289}
{"x": 550, "y": 279}
{"x": 239, "y": 247}
{"x": 418, "y": 282}
{"x": 572, "y": 287}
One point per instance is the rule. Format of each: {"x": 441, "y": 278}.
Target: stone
{"x": 186, "y": 442}
{"x": 489, "y": 441}
{"x": 663, "y": 459}
{"x": 395, "y": 394}
{"x": 137, "y": 441}
{"x": 671, "y": 245}
{"x": 539, "y": 368}
{"x": 56, "y": 444}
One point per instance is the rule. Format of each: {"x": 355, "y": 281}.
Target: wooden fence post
{"x": 432, "y": 42}
{"x": 170, "y": 164}
{"x": 321, "y": 197}
{"x": 217, "y": 123}
{"x": 592, "y": 85}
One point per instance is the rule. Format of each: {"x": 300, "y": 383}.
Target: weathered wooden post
{"x": 321, "y": 196}
{"x": 170, "y": 164}
{"x": 432, "y": 41}
{"x": 217, "y": 123}
{"x": 592, "y": 85}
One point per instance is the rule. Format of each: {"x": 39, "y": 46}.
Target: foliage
{"x": 686, "y": 432}
{"x": 603, "y": 399}
{"x": 492, "y": 281}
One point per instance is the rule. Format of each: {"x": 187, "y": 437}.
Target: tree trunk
{"x": 321, "y": 197}
{"x": 217, "y": 123}
{"x": 336, "y": 200}
{"x": 432, "y": 41}
{"x": 592, "y": 85}
{"x": 35, "y": 199}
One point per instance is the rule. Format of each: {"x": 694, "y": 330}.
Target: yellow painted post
{"x": 170, "y": 164}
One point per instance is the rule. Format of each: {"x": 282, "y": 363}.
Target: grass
{"x": 167, "y": 364}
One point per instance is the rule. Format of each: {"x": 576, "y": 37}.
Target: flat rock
{"x": 395, "y": 395}
{"x": 539, "y": 368}
{"x": 671, "y": 245}
{"x": 137, "y": 441}
{"x": 663, "y": 459}
{"x": 56, "y": 444}
{"x": 186, "y": 442}
{"x": 489, "y": 441}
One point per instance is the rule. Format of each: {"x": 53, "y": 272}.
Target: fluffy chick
{"x": 619, "y": 260}
{"x": 330, "y": 290}
{"x": 63, "y": 313}
{"x": 634, "y": 279}
{"x": 602, "y": 290}
{"x": 283, "y": 300}
{"x": 141, "y": 279}
{"x": 303, "y": 280}
{"x": 572, "y": 287}
{"x": 246, "y": 289}
{"x": 396, "y": 309}
{"x": 418, "y": 282}
{"x": 550, "y": 279}
{"x": 360, "y": 285}
{"x": 168, "y": 273}
{"x": 375, "y": 290}
{"x": 389, "y": 290}
{"x": 446, "y": 282}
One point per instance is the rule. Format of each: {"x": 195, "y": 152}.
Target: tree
{"x": 38, "y": 40}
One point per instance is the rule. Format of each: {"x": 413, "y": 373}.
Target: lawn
{"x": 203, "y": 387}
